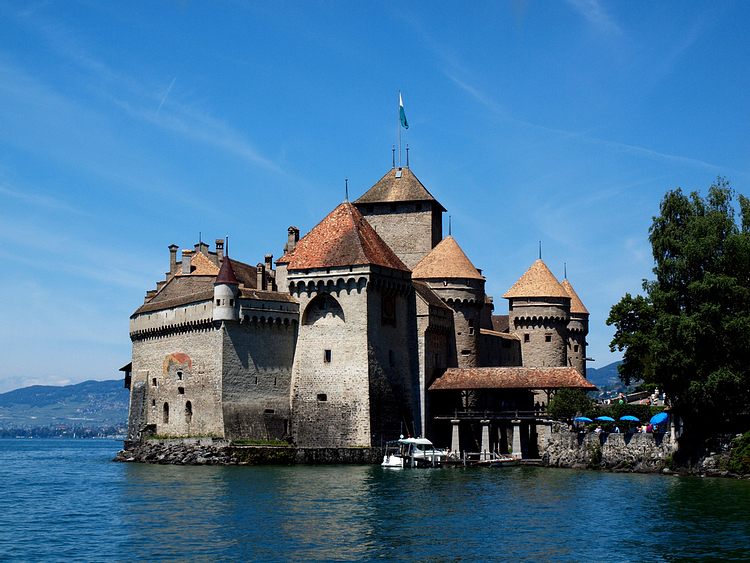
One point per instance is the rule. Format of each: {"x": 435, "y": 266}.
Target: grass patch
{"x": 260, "y": 443}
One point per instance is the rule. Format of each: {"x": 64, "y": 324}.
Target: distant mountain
{"x": 83, "y": 404}
{"x": 606, "y": 376}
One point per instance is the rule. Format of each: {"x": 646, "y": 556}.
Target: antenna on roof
{"x": 565, "y": 269}
{"x": 540, "y": 250}
{"x": 346, "y": 187}
{"x": 394, "y": 157}
{"x": 407, "y": 155}
{"x": 449, "y": 225}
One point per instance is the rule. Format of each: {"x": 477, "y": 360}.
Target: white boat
{"x": 413, "y": 452}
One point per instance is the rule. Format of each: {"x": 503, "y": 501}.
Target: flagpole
{"x": 399, "y": 129}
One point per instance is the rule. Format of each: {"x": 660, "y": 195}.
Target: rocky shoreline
{"x": 631, "y": 453}
{"x": 211, "y": 451}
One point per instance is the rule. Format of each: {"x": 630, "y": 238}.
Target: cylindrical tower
{"x": 452, "y": 276}
{"x": 226, "y": 293}
{"x": 578, "y": 329}
{"x": 539, "y": 311}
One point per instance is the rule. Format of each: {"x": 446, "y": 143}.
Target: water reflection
{"x": 367, "y": 513}
{"x": 64, "y": 500}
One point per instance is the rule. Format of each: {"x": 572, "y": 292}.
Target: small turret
{"x": 226, "y": 292}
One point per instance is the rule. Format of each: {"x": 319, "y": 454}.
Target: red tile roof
{"x": 446, "y": 260}
{"x": 576, "y": 305}
{"x": 343, "y": 238}
{"x": 510, "y": 378}
{"x": 538, "y": 281}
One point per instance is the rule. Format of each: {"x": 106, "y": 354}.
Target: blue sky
{"x": 127, "y": 127}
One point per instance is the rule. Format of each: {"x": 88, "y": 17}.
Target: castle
{"x": 370, "y": 326}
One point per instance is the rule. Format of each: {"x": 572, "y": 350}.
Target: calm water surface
{"x": 63, "y": 500}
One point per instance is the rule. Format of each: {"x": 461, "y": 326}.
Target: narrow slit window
{"x": 327, "y": 356}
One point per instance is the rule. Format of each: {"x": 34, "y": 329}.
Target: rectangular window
{"x": 465, "y": 352}
{"x": 322, "y": 397}
{"x": 153, "y": 382}
{"x": 391, "y": 358}
{"x": 548, "y": 338}
{"x": 218, "y": 302}
{"x": 471, "y": 326}
{"x": 575, "y": 348}
{"x": 526, "y": 337}
{"x": 181, "y": 390}
{"x": 327, "y": 356}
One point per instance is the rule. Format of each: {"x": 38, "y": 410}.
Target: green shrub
{"x": 740, "y": 458}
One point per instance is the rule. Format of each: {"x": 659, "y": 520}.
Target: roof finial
{"x": 449, "y": 225}
{"x": 200, "y": 239}
{"x": 226, "y": 247}
{"x": 346, "y": 187}
{"x": 540, "y": 250}
{"x": 565, "y": 269}
{"x": 394, "y": 157}
{"x": 407, "y": 155}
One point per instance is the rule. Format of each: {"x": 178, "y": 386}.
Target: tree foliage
{"x": 690, "y": 331}
{"x": 567, "y": 402}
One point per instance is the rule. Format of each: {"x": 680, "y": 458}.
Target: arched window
{"x": 188, "y": 412}
{"x": 166, "y": 413}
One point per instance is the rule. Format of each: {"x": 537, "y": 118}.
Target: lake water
{"x": 63, "y": 500}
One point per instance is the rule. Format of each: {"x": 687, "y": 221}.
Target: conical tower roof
{"x": 538, "y": 281}
{"x": 576, "y": 305}
{"x": 226, "y": 273}
{"x": 446, "y": 260}
{"x": 399, "y": 184}
{"x": 343, "y": 238}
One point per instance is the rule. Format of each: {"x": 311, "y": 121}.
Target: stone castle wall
{"x": 330, "y": 384}
{"x": 256, "y": 382}
{"x": 393, "y": 360}
{"x": 410, "y": 233}
{"x": 542, "y": 329}
{"x": 178, "y": 377}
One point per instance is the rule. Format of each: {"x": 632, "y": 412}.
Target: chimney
{"x": 220, "y": 249}
{"x": 201, "y": 247}
{"x": 187, "y": 256}
{"x": 293, "y": 239}
{"x": 261, "y": 277}
{"x": 173, "y": 258}
{"x": 269, "y": 263}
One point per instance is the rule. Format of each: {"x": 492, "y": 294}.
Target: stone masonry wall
{"x": 256, "y": 381}
{"x": 393, "y": 361}
{"x": 174, "y": 370}
{"x": 330, "y": 393}
{"x": 407, "y": 231}
{"x": 627, "y": 452}
{"x": 540, "y": 322}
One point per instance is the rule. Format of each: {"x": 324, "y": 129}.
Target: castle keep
{"x": 369, "y": 326}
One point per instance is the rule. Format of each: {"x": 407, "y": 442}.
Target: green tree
{"x": 567, "y": 402}
{"x": 690, "y": 332}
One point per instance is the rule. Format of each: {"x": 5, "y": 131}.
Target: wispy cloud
{"x": 135, "y": 97}
{"x": 36, "y": 200}
{"x": 596, "y": 16}
{"x": 502, "y": 113}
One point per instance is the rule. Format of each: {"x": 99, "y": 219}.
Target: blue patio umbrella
{"x": 630, "y": 417}
{"x": 659, "y": 418}
{"x": 605, "y": 418}
{"x": 582, "y": 419}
